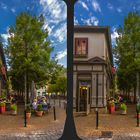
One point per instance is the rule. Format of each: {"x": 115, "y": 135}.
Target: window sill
{"x": 81, "y": 56}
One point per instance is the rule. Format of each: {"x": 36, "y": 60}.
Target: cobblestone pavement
{"x": 45, "y": 128}
{"x": 38, "y": 128}
{"x": 55, "y": 135}
{"x": 115, "y": 123}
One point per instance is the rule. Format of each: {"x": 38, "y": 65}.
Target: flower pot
{"x": 138, "y": 115}
{"x": 39, "y": 113}
{"x": 123, "y": 112}
{"x": 28, "y": 115}
{"x": 111, "y": 109}
{"x": 2, "y": 109}
{"x": 13, "y": 112}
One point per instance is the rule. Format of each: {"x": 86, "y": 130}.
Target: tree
{"x": 28, "y": 51}
{"x": 127, "y": 53}
{"x": 61, "y": 84}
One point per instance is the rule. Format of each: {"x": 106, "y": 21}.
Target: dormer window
{"x": 81, "y": 46}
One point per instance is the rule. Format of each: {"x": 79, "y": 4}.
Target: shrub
{"x": 28, "y": 109}
{"x": 13, "y": 107}
{"x": 123, "y": 106}
{"x": 39, "y": 107}
{"x": 2, "y": 104}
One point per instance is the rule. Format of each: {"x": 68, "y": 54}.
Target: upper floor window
{"x": 81, "y": 46}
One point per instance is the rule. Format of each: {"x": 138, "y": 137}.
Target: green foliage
{"x": 123, "y": 106}
{"x": 28, "y": 51}
{"x": 14, "y": 107}
{"x": 28, "y": 108}
{"x": 138, "y": 107}
{"x": 39, "y": 107}
{"x": 2, "y": 104}
{"x": 127, "y": 52}
{"x": 3, "y": 93}
{"x": 62, "y": 84}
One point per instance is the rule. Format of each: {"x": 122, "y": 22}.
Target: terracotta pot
{"x": 39, "y": 113}
{"x": 14, "y": 112}
{"x": 111, "y": 109}
{"x": 138, "y": 115}
{"x": 28, "y": 115}
{"x": 2, "y": 109}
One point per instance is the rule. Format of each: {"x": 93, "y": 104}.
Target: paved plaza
{"x": 111, "y": 126}
{"x": 117, "y": 125}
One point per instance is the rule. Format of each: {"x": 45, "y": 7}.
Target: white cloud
{"x": 75, "y": 21}
{"x": 5, "y": 38}
{"x": 110, "y": 6}
{"x": 119, "y": 10}
{"x": 60, "y": 33}
{"x": 96, "y": 6}
{"x": 13, "y": 10}
{"x": 3, "y": 6}
{"x": 54, "y": 10}
{"x": 84, "y": 5}
{"x": 61, "y": 54}
{"x": 91, "y": 21}
{"x": 55, "y": 13}
{"x": 114, "y": 35}
{"x": 49, "y": 28}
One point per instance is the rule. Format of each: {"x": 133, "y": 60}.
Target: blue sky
{"x": 87, "y": 12}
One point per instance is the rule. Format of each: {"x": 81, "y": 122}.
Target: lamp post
{"x": 69, "y": 132}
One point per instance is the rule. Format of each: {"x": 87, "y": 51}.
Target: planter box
{"x": 2, "y": 109}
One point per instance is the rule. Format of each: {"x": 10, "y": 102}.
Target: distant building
{"x": 93, "y": 62}
{"x": 42, "y": 91}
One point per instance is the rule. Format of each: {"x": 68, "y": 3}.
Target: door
{"x": 83, "y": 98}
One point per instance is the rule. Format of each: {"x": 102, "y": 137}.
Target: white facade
{"x": 95, "y": 66}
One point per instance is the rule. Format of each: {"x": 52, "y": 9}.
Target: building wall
{"x": 96, "y": 44}
{"x": 97, "y": 47}
{"x": 102, "y": 85}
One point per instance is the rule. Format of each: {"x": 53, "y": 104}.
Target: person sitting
{"x": 34, "y": 105}
{"x": 44, "y": 106}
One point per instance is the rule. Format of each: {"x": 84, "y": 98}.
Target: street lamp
{"x": 69, "y": 132}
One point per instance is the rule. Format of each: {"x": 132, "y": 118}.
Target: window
{"x": 81, "y": 46}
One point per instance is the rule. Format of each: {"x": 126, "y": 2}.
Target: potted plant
{"x": 14, "y": 109}
{"x": 39, "y": 110}
{"x": 111, "y": 106}
{"x": 123, "y": 108}
{"x": 28, "y": 111}
{"x": 2, "y": 107}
